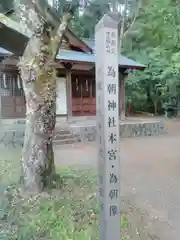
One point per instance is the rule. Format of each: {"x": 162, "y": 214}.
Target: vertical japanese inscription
{"x": 107, "y": 113}
{"x": 100, "y": 132}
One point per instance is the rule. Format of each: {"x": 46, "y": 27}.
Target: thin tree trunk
{"x": 155, "y": 108}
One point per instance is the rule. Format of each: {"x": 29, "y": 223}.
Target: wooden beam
{"x": 69, "y": 93}
{"x": 68, "y": 67}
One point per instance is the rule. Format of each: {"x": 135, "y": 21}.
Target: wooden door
{"x": 82, "y": 96}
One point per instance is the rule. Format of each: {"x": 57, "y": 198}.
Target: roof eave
{"x": 140, "y": 67}
{"x": 74, "y": 61}
{"x": 81, "y": 43}
{"x": 92, "y": 63}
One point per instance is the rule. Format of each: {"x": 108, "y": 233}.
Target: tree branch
{"x": 57, "y": 38}
{"x": 132, "y": 23}
{"x": 122, "y": 25}
{"x": 28, "y": 16}
{"x": 60, "y": 27}
{"x": 46, "y": 12}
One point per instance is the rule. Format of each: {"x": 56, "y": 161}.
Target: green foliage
{"x": 155, "y": 42}
{"x": 88, "y": 13}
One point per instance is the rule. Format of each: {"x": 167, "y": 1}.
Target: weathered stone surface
{"x": 12, "y": 132}
{"x": 134, "y": 129}
{"x": 11, "y": 138}
{"x": 141, "y": 129}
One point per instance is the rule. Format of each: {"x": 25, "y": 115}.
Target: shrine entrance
{"x": 83, "y": 96}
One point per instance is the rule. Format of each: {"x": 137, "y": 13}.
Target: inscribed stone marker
{"x": 107, "y": 114}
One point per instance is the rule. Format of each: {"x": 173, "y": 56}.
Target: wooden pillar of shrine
{"x": 69, "y": 90}
{"x": 68, "y": 66}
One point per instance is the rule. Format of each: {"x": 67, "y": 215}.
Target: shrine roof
{"x": 14, "y": 37}
{"x": 75, "y": 56}
{"x": 4, "y": 52}
{"x": 123, "y": 61}
{"x": 69, "y": 55}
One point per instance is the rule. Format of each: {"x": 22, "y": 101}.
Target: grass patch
{"x": 65, "y": 213}
{"x": 69, "y": 212}
{"x": 9, "y": 167}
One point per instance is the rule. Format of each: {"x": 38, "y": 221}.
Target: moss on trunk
{"x": 39, "y": 83}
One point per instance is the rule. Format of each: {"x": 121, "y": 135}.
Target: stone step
{"x": 65, "y": 141}
{"x": 62, "y": 131}
{"x": 63, "y": 136}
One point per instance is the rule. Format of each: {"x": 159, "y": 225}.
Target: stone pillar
{"x": 107, "y": 113}
{"x": 122, "y": 97}
{"x": 0, "y": 108}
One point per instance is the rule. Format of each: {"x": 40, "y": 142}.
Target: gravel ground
{"x": 150, "y": 180}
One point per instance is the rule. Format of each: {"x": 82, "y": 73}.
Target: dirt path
{"x": 150, "y": 174}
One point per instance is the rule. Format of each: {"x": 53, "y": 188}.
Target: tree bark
{"x": 38, "y": 156}
{"x": 39, "y": 83}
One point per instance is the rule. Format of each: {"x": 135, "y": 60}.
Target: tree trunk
{"x": 39, "y": 84}
{"x": 38, "y": 168}
{"x": 38, "y": 156}
{"x": 155, "y": 108}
